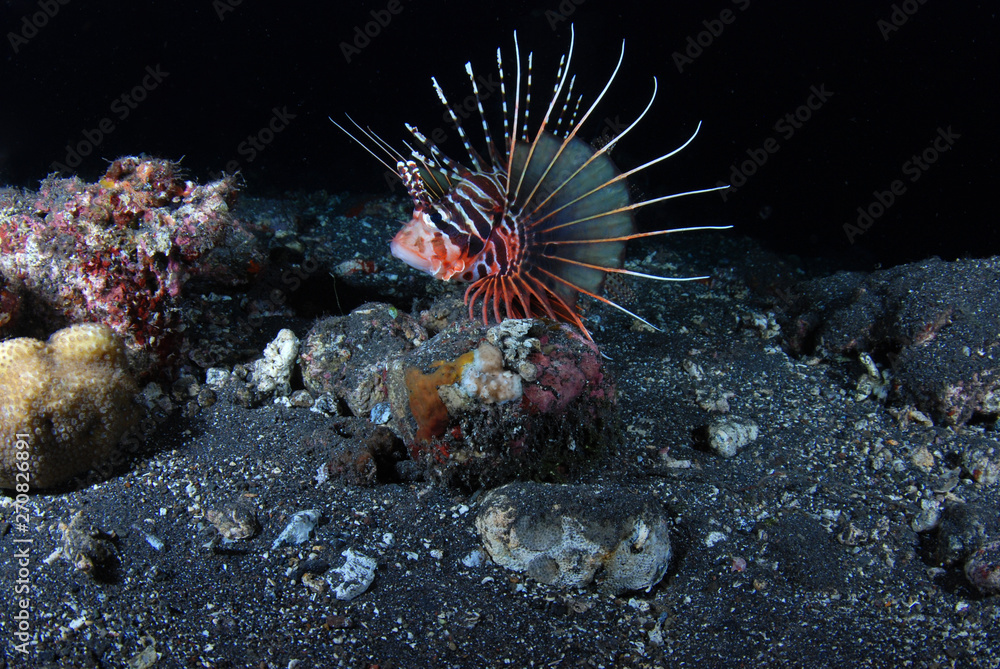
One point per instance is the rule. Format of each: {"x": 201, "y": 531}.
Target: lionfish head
{"x": 423, "y": 246}
{"x": 421, "y": 243}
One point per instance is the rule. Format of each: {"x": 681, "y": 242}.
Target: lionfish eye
{"x": 436, "y": 219}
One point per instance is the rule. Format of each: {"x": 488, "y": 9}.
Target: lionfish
{"x": 532, "y": 225}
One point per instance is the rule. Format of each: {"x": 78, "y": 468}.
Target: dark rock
{"x": 315, "y": 566}
{"x": 347, "y": 355}
{"x": 963, "y": 530}
{"x": 363, "y": 455}
{"x": 934, "y": 322}
{"x": 235, "y": 521}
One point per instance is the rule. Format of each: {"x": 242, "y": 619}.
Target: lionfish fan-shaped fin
{"x": 619, "y": 289}
{"x": 554, "y": 177}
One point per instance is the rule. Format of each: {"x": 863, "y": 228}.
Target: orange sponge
{"x": 425, "y": 402}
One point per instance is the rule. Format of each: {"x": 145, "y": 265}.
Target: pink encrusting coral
{"x": 119, "y": 251}
{"x": 565, "y": 376}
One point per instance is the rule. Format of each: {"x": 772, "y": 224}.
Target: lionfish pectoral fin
{"x": 561, "y": 181}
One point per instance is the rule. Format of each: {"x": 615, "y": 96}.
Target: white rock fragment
{"x": 763, "y": 323}
{"x": 874, "y": 382}
{"x": 298, "y": 528}
{"x": 712, "y": 538}
{"x": 928, "y": 517}
{"x": 380, "y": 413}
{"x": 354, "y": 576}
{"x": 514, "y": 339}
{"x": 486, "y": 380}
{"x": 325, "y": 405}
{"x": 729, "y": 436}
{"x": 475, "y": 559}
{"x": 154, "y": 541}
{"x": 273, "y": 372}
{"x": 216, "y": 377}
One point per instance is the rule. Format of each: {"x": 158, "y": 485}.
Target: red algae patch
{"x": 121, "y": 250}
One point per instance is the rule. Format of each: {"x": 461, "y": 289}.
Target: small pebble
{"x": 206, "y": 397}
{"x": 216, "y": 376}
{"x": 298, "y": 528}
{"x": 151, "y": 539}
{"x": 235, "y": 521}
{"x": 714, "y": 538}
{"x": 474, "y": 559}
{"x": 381, "y": 413}
{"x": 983, "y": 569}
{"x": 301, "y": 399}
{"x": 729, "y": 436}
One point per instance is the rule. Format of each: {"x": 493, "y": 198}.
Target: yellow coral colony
{"x": 64, "y": 404}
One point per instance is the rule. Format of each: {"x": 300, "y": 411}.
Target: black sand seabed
{"x": 798, "y": 552}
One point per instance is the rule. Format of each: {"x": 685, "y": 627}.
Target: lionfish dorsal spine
{"x": 474, "y": 157}
{"x": 490, "y": 146}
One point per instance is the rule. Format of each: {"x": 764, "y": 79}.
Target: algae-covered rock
{"x": 566, "y": 535}
{"x": 484, "y": 406}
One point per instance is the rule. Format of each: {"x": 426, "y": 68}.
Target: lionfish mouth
{"x": 408, "y": 247}
{"x": 407, "y": 254}
{"x": 539, "y": 220}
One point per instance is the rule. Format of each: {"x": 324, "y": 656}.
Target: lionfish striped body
{"x": 529, "y": 227}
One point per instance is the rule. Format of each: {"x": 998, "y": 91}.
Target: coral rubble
{"x": 119, "y": 251}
